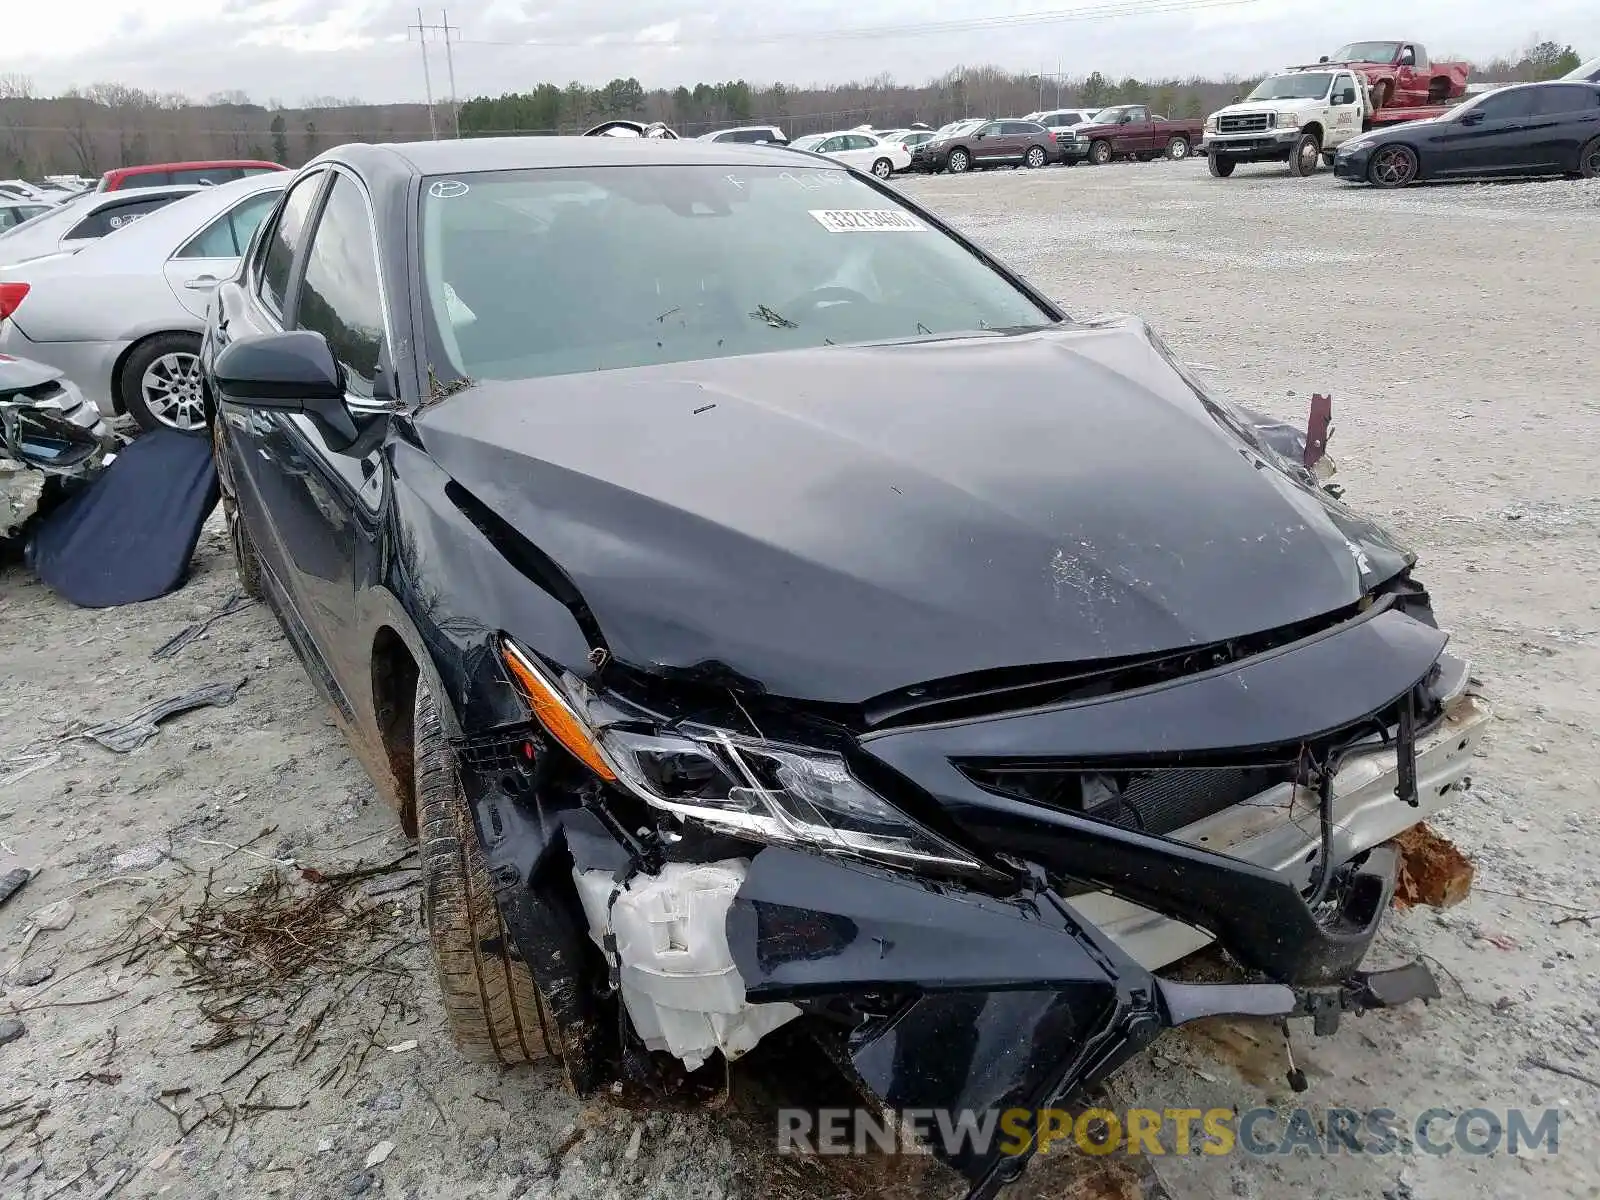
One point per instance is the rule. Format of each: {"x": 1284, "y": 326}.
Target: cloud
{"x": 294, "y": 48}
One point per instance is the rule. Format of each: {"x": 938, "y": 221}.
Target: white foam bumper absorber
{"x": 679, "y": 982}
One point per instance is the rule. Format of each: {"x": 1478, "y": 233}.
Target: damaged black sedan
{"x": 766, "y": 610}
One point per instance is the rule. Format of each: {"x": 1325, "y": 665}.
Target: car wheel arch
{"x": 128, "y": 351}
{"x": 1314, "y": 128}
{"x": 395, "y": 677}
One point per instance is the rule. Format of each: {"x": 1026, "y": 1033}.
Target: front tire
{"x": 883, "y": 168}
{"x": 1100, "y": 153}
{"x": 958, "y": 162}
{"x": 1220, "y": 166}
{"x": 1393, "y": 167}
{"x": 160, "y": 384}
{"x": 491, "y": 1001}
{"x": 1305, "y": 156}
{"x": 1036, "y": 157}
{"x": 1178, "y": 149}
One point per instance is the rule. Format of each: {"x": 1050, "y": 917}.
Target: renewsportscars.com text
{"x": 1258, "y": 1132}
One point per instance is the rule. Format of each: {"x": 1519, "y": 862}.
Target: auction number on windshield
{"x": 867, "y": 220}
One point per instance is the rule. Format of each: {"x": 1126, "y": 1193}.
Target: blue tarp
{"x": 130, "y": 534}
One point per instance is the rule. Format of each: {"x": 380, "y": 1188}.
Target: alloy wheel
{"x": 1593, "y": 161}
{"x": 959, "y": 161}
{"x": 883, "y": 168}
{"x": 1036, "y": 158}
{"x": 1178, "y": 149}
{"x": 1394, "y": 166}
{"x": 172, "y": 391}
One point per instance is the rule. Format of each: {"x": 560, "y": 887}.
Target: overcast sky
{"x": 291, "y": 49}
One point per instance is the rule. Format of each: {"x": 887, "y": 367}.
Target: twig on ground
{"x": 1544, "y": 1064}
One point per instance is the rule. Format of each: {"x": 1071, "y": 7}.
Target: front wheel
{"x": 959, "y": 161}
{"x": 1100, "y": 153}
{"x": 160, "y": 384}
{"x": 1305, "y": 156}
{"x": 1178, "y": 148}
{"x": 1221, "y": 167}
{"x": 883, "y": 168}
{"x": 1035, "y": 157}
{"x": 1393, "y": 167}
{"x": 492, "y": 1004}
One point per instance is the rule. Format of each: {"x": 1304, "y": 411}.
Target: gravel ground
{"x": 1453, "y": 327}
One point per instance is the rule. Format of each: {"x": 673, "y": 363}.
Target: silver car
{"x": 84, "y": 220}
{"x": 122, "y": 318}
{"x": 15, "y": 212}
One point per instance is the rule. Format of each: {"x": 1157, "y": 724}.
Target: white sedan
{"x": 865, "y": 152}
{"x": 122, "y": 317}
{"x": 80, "y": 222}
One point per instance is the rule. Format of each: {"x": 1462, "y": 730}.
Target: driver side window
{"x": 339, "y": 294}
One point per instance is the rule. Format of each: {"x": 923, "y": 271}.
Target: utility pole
{"x": 450, "y": 65}
{"x": 427, "y": 83}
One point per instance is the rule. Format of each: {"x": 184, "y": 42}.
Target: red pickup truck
{"x": 1400, "y": 75}
{"x": 1129, "y": 131}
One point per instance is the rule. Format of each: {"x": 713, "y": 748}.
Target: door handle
{"x": 200, "y": 283}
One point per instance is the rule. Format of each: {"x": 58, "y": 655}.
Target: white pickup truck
{"x": 1296, "y": 117}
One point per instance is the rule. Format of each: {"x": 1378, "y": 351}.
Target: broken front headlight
{"x": 778, "y": 793}
{"x": 773, "y": 792}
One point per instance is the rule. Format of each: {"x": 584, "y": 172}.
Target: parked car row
{"x": 112, "y": 290}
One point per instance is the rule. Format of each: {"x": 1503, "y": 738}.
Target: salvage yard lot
{"x": 1454, "y": 328}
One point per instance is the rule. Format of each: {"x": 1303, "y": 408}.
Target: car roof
{"x": 394, "y": 161}
{"x": 197, "y": 164}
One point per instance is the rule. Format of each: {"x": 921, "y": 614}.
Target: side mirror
{"x": 288, "y": 372}
{"x": 1237, "y": 100}
{"x": 1475, "y": 117}
{"x": 1323, "y": 59}
{"x": 980, "y": 134}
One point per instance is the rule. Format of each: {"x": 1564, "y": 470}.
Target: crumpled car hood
{"x": 837, "y": 523}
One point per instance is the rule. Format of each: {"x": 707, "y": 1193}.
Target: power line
{"x": 427, "y": 83}
{"x": 1096, "y": 12}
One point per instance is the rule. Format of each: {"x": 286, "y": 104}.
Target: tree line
{"x": 90, "y": 130}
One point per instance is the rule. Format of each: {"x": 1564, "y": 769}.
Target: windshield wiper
{"x": 775, "y": 319}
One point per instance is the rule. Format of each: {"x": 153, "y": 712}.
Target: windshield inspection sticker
{"x": 867, "y": 220}
{"x": 447, "y": 189}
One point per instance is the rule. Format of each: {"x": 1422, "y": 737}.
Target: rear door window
{"x": 229, "y": 234}
{"x": 1560, "y": 100}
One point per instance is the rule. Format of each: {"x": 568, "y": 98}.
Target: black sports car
{"x": 1534, "y": 129}
{"x": 766, "y": 609}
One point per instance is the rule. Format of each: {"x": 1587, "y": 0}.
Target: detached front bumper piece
{"x": 959, "y": 1002}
